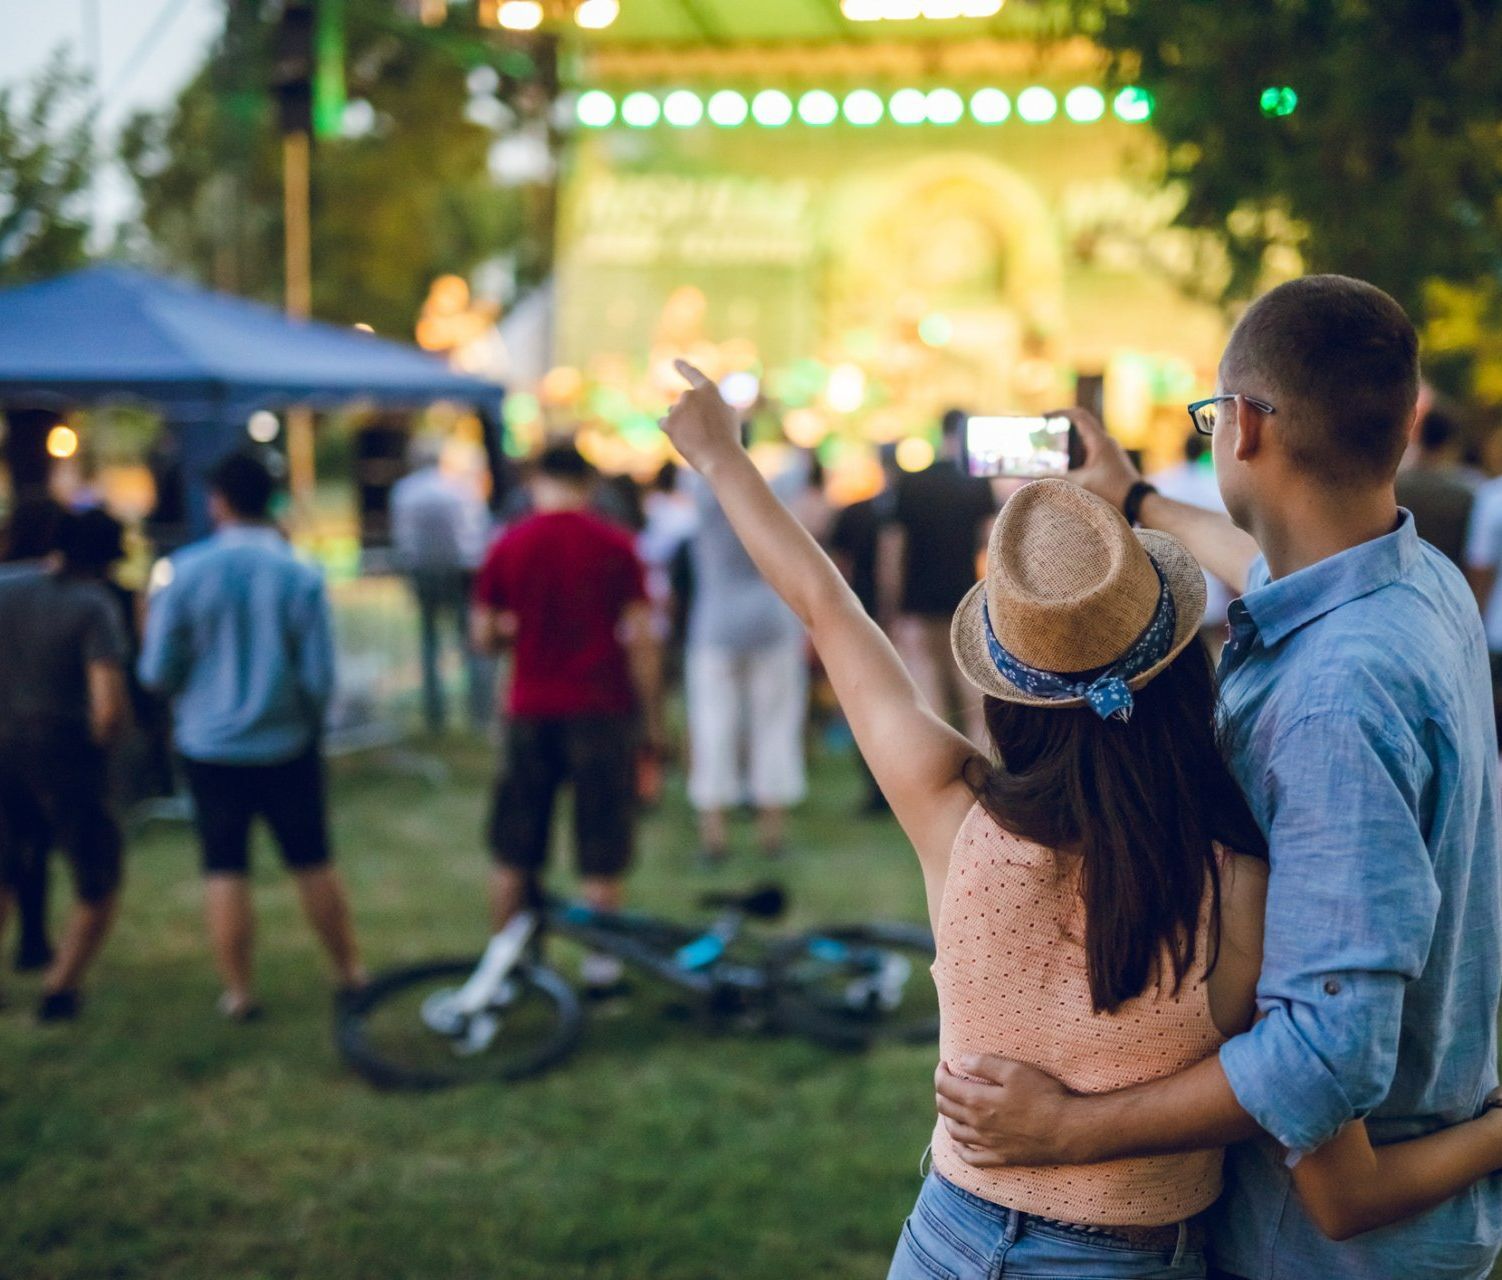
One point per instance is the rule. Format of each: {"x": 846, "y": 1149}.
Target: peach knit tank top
{"x": 1011, "y": 980}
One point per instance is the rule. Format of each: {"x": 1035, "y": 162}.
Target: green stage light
{"x": 682, "y": 109}
{"x": 1133, "y": 104}
{"x": 1037, "y": 105}
{"x": 1084, "y": 104}
{"x": 990, "y": 106}
{"x": 772, "y": 108}
{"x": 818, "y": 108}
{"x": 862, "y": 107}
{"x": 641, "y": 110}
{"x": 908, "y": 106}
{"x": 945, "y": 106}
{"x": 1279, "y": 100}
{"x": 728, "y": 109}
{"x": 595, "y": 109}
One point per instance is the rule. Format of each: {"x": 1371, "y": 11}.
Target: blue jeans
{"x": 953, "y": 1235}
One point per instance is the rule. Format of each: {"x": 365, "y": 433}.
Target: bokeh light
{"x": 863, "y": 107}
{"x": 1037, "y": 105}
{"x": 1084, "y": 104}
{"x": 62, "y": 442}
{"x": 771, "y": 108}
{"x": 818, "y": 107}
{"x": 728, "y": 109}
{"x": 263, "y": 427}
{"x": 596, "y": 15}
{"x": 945, "y": 106}
{"x": 682, "y": 109}
{"x": 908, "y": 106}
{"x": 520, "y": 15}
{"x": 1279, "y": 100}
{"x": 641, "y": 110}
{"x": 1133, "y": 104}
{"x": 990, "y": 106}
{"x": 595, "y": 109}
{"x": 915, "y": 453}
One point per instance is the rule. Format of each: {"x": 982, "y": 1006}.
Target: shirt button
{"x": 1332, "y": 986}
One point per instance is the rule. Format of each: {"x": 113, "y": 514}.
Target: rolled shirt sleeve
{"x": 1351, "y": 911}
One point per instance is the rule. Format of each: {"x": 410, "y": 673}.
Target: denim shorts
{"x": 953, "y": 1235}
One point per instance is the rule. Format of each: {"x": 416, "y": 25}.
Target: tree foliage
{"x": 1389, "y": 167}
{"x": 46, "y": 158}
{"x": 410, "y": 198}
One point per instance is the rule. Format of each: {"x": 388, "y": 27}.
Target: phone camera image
{"x": 1018, "y": 447}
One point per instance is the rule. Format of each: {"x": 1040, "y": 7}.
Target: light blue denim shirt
{"x": 1359, "y": 713}
{"x": 240, "y": 639}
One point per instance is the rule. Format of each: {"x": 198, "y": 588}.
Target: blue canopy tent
{"x": 206, "y": 361}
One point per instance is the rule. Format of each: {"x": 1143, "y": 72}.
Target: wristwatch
{"x": 1131, "y": 505}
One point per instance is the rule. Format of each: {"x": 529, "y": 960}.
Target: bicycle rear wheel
{"x": 397, "y": 1033}
{"x": 851, "y": 986}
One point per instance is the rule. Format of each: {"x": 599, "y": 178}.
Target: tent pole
{"x": 296, "y": 196}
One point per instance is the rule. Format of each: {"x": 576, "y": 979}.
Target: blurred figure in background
{"x": 565, "y": 590}
{"x": 241, "y": 639}
{"x": 746, "y": 685}
{"x": 1436, "y": 487}
{"x": 29, "y": 539}
{"x": 942, "y": 520}
{"x": 855, "y": 544}
{"x": 438, "y": 532}
{"x": 63, "y": 649}
{"x": 809, "y": 502}
{"x": 1193, "y": 482}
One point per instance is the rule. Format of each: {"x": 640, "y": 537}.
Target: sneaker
{"x": 59, "y": 1006}
{"x": 239, "y": 1010}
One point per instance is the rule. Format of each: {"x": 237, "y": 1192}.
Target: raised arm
{"x": 1217, "y": 544}
{"x": 917, "y": 759}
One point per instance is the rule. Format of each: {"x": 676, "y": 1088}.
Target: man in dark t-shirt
{"x": 942, "y": 519}
{"x": 565, "y": 589}
{"x": 1434, "y": 487}
{"x": 63, "y": 650}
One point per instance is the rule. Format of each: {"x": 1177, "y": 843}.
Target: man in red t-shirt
{"x": 566, "y": 590}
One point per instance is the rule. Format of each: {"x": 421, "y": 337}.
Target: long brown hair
{"x": 1142, "y": 804}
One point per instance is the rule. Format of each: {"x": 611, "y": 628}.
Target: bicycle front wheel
{"x": 402, "y": 1032}
{"x": 854, "y": 985}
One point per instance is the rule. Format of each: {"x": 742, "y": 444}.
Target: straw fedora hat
{"x": 1072, "y": 590}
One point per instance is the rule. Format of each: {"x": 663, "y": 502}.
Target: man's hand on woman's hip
{"x": 1007, "y": 1113}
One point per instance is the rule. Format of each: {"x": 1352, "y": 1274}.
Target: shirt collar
{"x": 249, "y": 535}
{"x": 1280, "y": 608}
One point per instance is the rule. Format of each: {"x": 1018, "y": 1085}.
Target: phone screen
{"x": 1017, "y": 446}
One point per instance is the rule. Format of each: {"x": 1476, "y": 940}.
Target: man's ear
{"x": 1251, "y": 422}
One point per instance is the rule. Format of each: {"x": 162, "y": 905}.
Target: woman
{"x": 1097, "y": 895}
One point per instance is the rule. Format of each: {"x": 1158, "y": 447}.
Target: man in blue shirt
{"x": 239, "y": 637}
{"x": 1359, "y": 725}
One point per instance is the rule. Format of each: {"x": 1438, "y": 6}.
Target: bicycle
{"x": 508, "y": 1015}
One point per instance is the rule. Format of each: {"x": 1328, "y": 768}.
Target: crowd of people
{"x": 1218, "y": 957}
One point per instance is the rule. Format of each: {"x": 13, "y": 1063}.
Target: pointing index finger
{"x": 691, "y": 374}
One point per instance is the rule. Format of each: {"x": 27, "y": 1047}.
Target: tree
{"x": 46, "y": 158}
{"x": 1366, "y": 134}
{"x": 411, "y": 197}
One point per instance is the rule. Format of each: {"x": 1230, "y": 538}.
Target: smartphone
{"x": 1020, "y": 447}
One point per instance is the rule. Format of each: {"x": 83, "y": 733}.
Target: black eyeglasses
{"x": 1203, "y": 413}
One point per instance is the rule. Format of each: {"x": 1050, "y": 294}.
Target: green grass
{"x": 153, "y": 1140}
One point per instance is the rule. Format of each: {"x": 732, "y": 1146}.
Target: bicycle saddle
{"x": 765, "y": 902}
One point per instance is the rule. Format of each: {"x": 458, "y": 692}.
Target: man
{"x": 29, "y": 541}
{"x": 940, "y": 525}
{"x": 1355, "y": 688}
{"x": 62, "y": 703}
{"x": 745, "y": 685}
{"x": 565, "y": 589}
{"x": 438, "y": 535}
{"x": 1436, "y": 487}
{"x": 240, "y": 638}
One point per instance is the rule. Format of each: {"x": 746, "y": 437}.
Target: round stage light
{"x": 945, "y": 106}
{"x": 640, "y": 110}
{"x": 596, "y": 15}
{"x": 1084, "y": 104}
{"x": 771, "y": 108}
{"x": 263, "y": 427}
{"x": 595, "y": 109}
{"x": 1133, "y": 104}
{"x": 682, "y": 109}
{"x": 1037, "y": 105}
{"x": 728, "y": 108}
{"x": 908, "y": 106}
{"x": 1279, "y": 100}
{"x": 915, "y": 454}
{"x": 862, "y": 107}
{"x": 818, "y": 108}
{"x": 520, "y": 15}
{"x": 990, "y": 106}
{"x": 62, "y": 442}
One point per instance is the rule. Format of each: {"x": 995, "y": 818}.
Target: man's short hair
{"x": 1438, "y": 429}
{"x": 245, "y": 483}
{"x": 31, "y": 532}
{"x": 91, "y": 541}
{"x": 954, "y": 422}
{"x": 564, "y": 462}
{"x": 1338, "y": 359}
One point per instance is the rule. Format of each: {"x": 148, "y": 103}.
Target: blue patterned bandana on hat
{"x": 1107, "y": 693}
